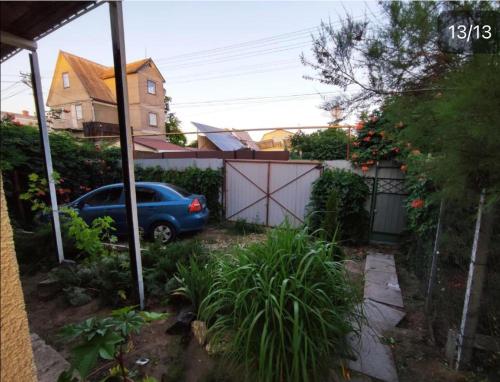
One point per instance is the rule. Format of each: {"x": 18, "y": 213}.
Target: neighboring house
{"x": 23, "y": 118}
{"x": 84, "y": 91}
{"x": 276, "y": 140}
{"x": 152, "y": 145}
{"x": 212, "y": 138}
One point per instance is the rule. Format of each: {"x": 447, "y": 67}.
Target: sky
{"x": 226, "y": 64}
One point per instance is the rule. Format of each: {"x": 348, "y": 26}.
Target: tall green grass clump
{"x": 282, "y": 308}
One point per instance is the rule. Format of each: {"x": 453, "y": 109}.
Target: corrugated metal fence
{"x": 268, "y": 192}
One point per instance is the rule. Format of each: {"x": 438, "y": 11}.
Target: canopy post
{"x": 47, "y": 157}
{"x": 126, "y": 144}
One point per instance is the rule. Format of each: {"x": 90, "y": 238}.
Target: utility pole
{"x": 475, "y": 281}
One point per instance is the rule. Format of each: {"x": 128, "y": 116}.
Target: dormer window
{"x": 65, "y": 79}
{"x": 151, "y": 87}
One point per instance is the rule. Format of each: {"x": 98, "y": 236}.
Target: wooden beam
{"x": 16, "y": 41}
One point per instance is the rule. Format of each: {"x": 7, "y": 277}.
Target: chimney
{"x": 25, "y": 113}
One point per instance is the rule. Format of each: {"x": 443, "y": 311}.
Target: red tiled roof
{"x": 160, "y": 145}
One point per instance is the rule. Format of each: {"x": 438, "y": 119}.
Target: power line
{"x": 14, "y": 94}
{"x": 245, "y": 55}
{"x": 234, "y": 75}
{"x": 250, "y": 98}
{"x": 237, "y": 45}
{"x": 271, "y": 40}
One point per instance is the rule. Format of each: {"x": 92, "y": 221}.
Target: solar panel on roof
{"x": 224, "y": 140}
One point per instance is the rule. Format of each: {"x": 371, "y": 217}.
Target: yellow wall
{"x": 58, "y": 95}
{"x": 277, "y": 134}
{"x": 16, "y": 355}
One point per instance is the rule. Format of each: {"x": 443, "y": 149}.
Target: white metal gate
{"x": 268, "y": 192}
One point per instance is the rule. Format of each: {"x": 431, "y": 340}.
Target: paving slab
{"x": 373, "y": 357}
{"x": 381, "y": 280}
{"x": 49, "y": 363}
{"x": 380, "y": 262}
{"x": 380, "y": 316}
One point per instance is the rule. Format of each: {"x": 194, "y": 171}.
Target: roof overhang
{"x": 25, "y": 22}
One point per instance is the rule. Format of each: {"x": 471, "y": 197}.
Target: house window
{"x": 78, "y": 111}
{"x": 151, "y": 87}
{"x": 65, "y": 78}
{"x": 153, "y": 119}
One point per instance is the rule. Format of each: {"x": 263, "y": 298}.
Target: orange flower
{"x": 404, "y": 167}
{"x": 415, "y": 152}
{"x": 370, "y": 161}
{"x": 371, "y": 132}
{"x": 367, "y": 139}
{"x": 365, "y": 168}
{"x": 354, "y": 156}
{"x": 417, "y": 203}
{"x": 359, "y": 125}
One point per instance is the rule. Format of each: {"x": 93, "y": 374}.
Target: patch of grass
{"x": 283, "y": 307}
{"x": 242, "y": 227}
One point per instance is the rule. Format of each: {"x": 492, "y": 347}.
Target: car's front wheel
{"x": 163, "y": 232}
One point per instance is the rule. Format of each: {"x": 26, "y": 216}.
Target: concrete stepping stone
{"x": 373, "y": 357}
{"x": 382, "y": 308}
{"x": 49, "y": 363}
{"x": 381, "y": 317}
{"x": 381, "y": 280}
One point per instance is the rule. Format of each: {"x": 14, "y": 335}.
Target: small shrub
{"x": 160, "y": 263}
{"x": 352, "y": 193}
{"x": 283, "y": 306}
{"x": 242, "y": 227}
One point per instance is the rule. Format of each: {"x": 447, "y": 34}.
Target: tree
{"x": 172, "y": 125}
{"x": 329, "y": 144}
{"x": 402, "y": 54}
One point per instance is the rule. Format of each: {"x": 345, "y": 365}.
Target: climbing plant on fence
{"x": 207, "y": 182}
{"x": 352, "y": 193}
{"x": 81, "y": 166}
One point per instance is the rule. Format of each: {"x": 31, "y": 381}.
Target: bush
{"x": 282, "y": 307}
{"x": 160, "y": 264}
{"x": 329, "y": 144}
{"x": 207, "y": 182}
{"x": 331, "y": 223}
{"x": 82, "y": 166}
{"x": 352, "y": 193}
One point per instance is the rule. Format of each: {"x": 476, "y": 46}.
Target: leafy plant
{"x": 106, "y": 338}
{"x": 160, "y": 263}
{"x": 195, "y": 279}
{"x": 87, "y": 238}
{"x": 352, "y": 193}
{"x": 81, "y": 165}
{"x": 331, "y": 223}
{"x": 282, "y": 307}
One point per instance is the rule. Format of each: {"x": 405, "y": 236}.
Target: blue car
{"x": 164, "y": 210}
